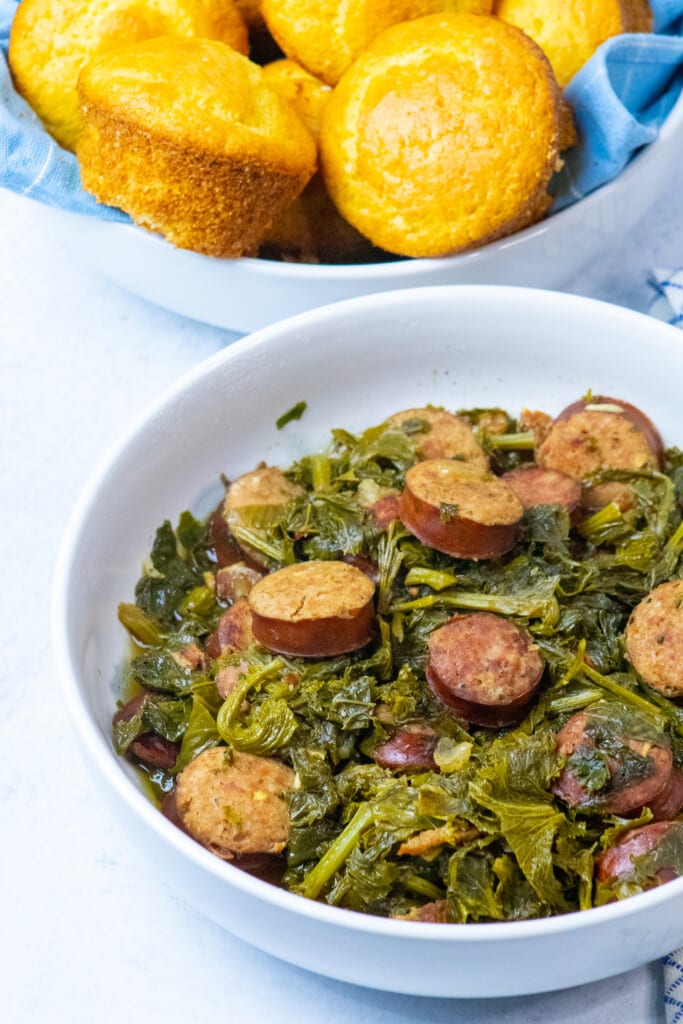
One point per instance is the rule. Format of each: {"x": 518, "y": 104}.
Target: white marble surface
{"x": 87, "y": 929}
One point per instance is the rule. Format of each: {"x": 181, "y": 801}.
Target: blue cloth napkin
{"x": 673, "y": 987}
{"x": 620, "y": 99}
{"x": 668, "y": 305}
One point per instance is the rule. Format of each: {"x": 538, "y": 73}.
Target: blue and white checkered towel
{"x": 620, "y": 99}
{"x": 673, "y": 987}
{"x": 668, "y": 301}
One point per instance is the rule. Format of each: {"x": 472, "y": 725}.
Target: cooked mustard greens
{"x": 494, "y": 842}
{"x": 295, "y": 413}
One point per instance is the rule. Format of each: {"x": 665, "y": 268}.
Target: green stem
{"x": 423, "y": 887}
{"x": 601, "y": 524}
{"x": 624, "y": 694}
{"x": 338, "y": 852}
{"x": 674, "y": 545}
{"x": 321, "y": 474}
{"x": 576, "y": 665}
{"x": 524, "y": 607}
{"x": 523, "y": 441}
{"x": 422, "y": 577}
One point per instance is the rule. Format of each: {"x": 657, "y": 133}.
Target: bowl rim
{"x": 99, "y": 750}
{"x": 400, "y": 271}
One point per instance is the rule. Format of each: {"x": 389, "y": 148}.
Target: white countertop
{"x": 88, "y": 929}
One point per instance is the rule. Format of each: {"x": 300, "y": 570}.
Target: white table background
{"x": 88, "y": 930}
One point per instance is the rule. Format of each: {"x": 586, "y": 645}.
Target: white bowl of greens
{"x": 353, "y": 364}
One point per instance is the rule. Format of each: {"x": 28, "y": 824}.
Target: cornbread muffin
{"x": 326, "y": 36}
{"x": 443, "y": 135}
{"x": 51, "y": 40}
{"x": 311, "y": 230}
{"x": 569, "y": 33}
{"x": 302, "y": 90}
{"x": 186, "y": 137}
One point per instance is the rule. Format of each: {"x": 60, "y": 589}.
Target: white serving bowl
{"x": 246, "y": 294}
{"x": 354, "y": 363}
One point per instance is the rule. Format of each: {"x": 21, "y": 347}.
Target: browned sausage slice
{"x": 534, "y": 485}
{"x": 409, "y": 749}
{"x": 669, "y": 802}
{"x": 616, "y": 863}
{"x": 233, "y": 633}
{"x": 266, "y": 487}
{"x": 539, "y": 423}
{"x": 654, "y": 638}
{"x": 191, "y": 656}
{"x": 385, "y": 511}
{"x": 155, "y": 751}
{"x": 442, "y": 436}
{"x": 365, "y": 564}
{"x": 430, "y": 913}
{"x": 604, "y": 404}
{"x": 314, "y": 609}
{"x": 265, "y": 491}
{"x": 233, "y": 803}
{"x": 458, "y": 511}
{"x": 483, "y": 667}
{"x": 602, "y": 433}
{"x": 617, "y": 796}
{"x": 225, "y": 549}
{"x": 150, "y": 748}
{"x": 228, "y": 678}
{"x": 235, "y": 581}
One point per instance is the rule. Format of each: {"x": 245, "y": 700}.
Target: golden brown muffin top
{"x": 570, "y": 33}
{"x": 442, "y": 135}
{"x": 202, "y": 94}
{"x": 326, "y": 36}
{"x": 51, "y": 40}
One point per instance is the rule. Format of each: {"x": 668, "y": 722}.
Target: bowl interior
{"x": 353, "y": 364}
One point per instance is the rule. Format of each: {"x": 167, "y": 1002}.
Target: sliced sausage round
{"x": 365, "y": 564}
{"x": 616, "y": 863}
{"x": 266, "y": 490}
{"x": 153, "y": 750}
{"x": 456, "y": 510}
{"x": 266, "y": 487}
{"x": 234, "y": 631}
{"x": 617, "y": 795}
{"x": 169, "y": 809}
{"x": 235, "y": 581}
{"x": 539, "y": 423}
{"x": 409, "y": 749}
{"x": 617, "y": 406}
{"x": 233, "y": 803}
{"x": 484, "y": 667}
{"x": 534, "y": 485}
{"x": 602, "y": 433}
{"x": 225, "y": 549}
{"x": 654, "y": 638}
{"x": 385, "y": 511}
{"x": 190, "y": 657}
{"x": 429, "y": 913}
{"x": 314, "y": 609}
{"x": 228, "y": 677}
{"x": 440, "y": 435}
